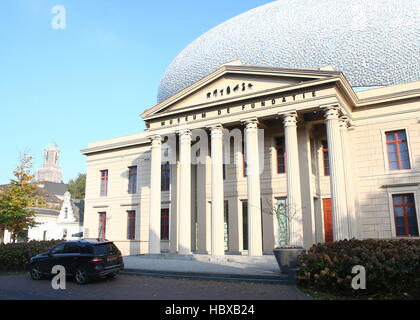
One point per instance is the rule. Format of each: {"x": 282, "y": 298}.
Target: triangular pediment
{"x": 232, "y": 82}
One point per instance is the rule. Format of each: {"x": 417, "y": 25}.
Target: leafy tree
{"x": 77, "y": 187}
{"x": 15, "y": 201}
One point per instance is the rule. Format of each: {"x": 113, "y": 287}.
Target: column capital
{"x": 185, "y": 135}
{"x": 289, "y": 118}
{"x": 345, "y": 123}
{"x": 332, "y": 112}
{"x": 216, "y": 130}
{"x": 251, "y": 123}
{"x": 156, "y": 140}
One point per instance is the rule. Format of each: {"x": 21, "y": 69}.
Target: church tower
{"x": 51, "y": 169}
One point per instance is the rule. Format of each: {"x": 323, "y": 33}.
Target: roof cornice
{"x": 118, "y": 145}
{"x": 254, "y": 95}
{"x": 304, "y": 73}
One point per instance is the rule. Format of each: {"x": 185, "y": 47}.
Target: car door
{"x": 70, "y": 257}
{"x": 54, "y": 257}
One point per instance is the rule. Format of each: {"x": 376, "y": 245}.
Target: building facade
{"x": 220, "y": 154}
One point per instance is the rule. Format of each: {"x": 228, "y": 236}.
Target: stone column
{"x": 306, "y": 184}
{"x": 348, "y": 175}
{"x": 217, "y": 195}
{"x": 184, "y": 215}
{"x": 294, "y": 200}
{"x": 203, "y": 221}
{"x": 338, "y": 185}
{"x": 253, "y": 182}
{"x": 174, "y": 220}
{"x": 155, "y": 195}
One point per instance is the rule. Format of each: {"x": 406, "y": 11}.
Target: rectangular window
{"x": 166, "y": 176}
{"x": 131, "y": 225}
{"x": 281, "y": 155}
{"x": 244, "y": 164}
{"x": 104, "y": 183}
{"x": 102, "y": 225}
{"x": 245, "y": 224}
{"x": 132, "y": 180}
{"x": 282, "y": 222}
{"x": 405, "y": 215}
{"x": 164, "y": 224}
{"x": 226, "y": 224}
{"x": 397, "y": 148}
{"x": 326, "y": 158}
{"x": 328, "y": 221}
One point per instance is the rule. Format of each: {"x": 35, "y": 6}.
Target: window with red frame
{"x": 397, "y": 148}
{"x": 326, "y": 158}
{"x": 164, "y": 224}
{"x": 132, "y": 180}
{"x": 104, "y": 183}
{"x": 281, "y": 155}
{"x": 166, "y": 176}
{"x": 102, "y": 225}
{"x": 405, "y": 215}
{"x": 131, "y": 225}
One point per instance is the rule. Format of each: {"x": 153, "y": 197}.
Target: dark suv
{"x": 84, "y": 260}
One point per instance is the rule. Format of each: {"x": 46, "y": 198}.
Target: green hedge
{"x": 16, "y": 256}
{"x": 392, "y": 268}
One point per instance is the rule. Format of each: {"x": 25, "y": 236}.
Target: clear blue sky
{"x": 92, "y": 80}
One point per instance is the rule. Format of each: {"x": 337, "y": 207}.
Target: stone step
{"x": 283, "y": 279}
{"x": 210, "y": 258}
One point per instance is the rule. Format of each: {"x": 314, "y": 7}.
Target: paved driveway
{"x": 126, "y": 287}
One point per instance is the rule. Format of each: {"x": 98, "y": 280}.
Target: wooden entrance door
{"x": 328, "y": 225}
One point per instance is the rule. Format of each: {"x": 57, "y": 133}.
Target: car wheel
{"x": 81, "y": 276}
{"x": 36, "y": 272}
{"x": 110, "y": 275}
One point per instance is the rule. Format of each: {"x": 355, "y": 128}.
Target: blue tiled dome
{"x": 374, "y": 42}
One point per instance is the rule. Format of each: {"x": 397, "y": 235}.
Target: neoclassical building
{"x": 228, "y": 142}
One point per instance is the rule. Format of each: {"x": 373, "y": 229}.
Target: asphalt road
{"x": 127, "y": 287}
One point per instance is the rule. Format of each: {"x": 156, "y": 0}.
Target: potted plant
{"x": 285, "y": 252}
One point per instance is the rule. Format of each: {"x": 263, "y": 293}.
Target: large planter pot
{"x": 287, "y": 258}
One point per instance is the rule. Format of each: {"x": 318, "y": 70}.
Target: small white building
{"x": 53, "y": 224}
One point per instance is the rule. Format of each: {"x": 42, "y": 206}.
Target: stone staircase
{"x": 207, "y": 267}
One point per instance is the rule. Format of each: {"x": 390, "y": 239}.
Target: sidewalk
{"x": 235, "y": 267}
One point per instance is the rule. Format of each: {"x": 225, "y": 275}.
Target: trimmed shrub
{"x": 392, "y": 268}
{"x": 16, "y": 256}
